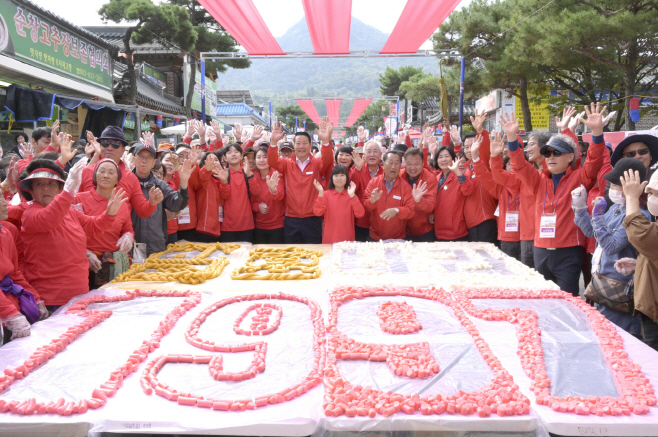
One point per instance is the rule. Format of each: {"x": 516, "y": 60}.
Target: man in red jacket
{"x": 301, "y": 225}
{"x": 424, "y": 185}
{"x": 372, "y": 155}
{"x": 388, "y": 201}
{"x": 558, "y": 241}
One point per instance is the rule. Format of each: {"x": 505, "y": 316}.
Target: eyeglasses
{"x": 640, "y": 152}
{"x": 555, "y": 153}
{"x": 114, "y": 143}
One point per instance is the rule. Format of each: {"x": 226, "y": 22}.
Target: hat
{"x": 557, "y": 144}
{"x": 649, "y": 140}
{"x": 113, "y": 133}
{"x": 39, "y": 173}
{"x": 608, "y": 145}
{"x": 141, "y": 146}
{"x": 400, "y": 148}
{"x": 183, "y": 149}
{"x": 166, "y": 147}
{"x": 98, "y": 164}
{"x": 286, "y": 145}
{"x": 625, "y": 164}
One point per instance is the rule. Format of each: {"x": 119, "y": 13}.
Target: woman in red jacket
{"x": 170, "y": 164}
{"x": 117, "y": 237}
{"x": 269, "y": 206}
{"x": 339, "y": 205}
{"x": 209, "y": 210}
{"x": 453, "y": 187}
{"x": 50, "y": 222}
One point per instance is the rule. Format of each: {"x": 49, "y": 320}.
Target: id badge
{"x": 184, "y": 217}
{"x": 547, "y": 225}
{"x": 512, "y": 221}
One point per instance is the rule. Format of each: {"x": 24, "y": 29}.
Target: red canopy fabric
{"x": 329, "y": 25}
{"x": 333, "y": 110}
{"x": 309, "y": 108}
{"x": 419, "y": 20}
{"x": 358, "y": 108}
{"x": 243, "y": 22}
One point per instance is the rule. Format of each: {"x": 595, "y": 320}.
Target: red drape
{"x": 358, "y": 108}
{"x": 419, "y": 20}
{"x": 309, "y": 108}
{"x": 243, "y": 22}
{"x": 329, "y": 25}
{"x": 333, "y": 110}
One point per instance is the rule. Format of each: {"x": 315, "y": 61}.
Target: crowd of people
{"x": 75, "y": 215}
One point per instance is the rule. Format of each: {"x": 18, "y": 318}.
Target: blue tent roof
{"x": 233, "y": 109}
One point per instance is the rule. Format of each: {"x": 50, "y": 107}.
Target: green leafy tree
{"x": 287, "y": 115}
{"x": 379, "y": 109}
{"x": 391, "y": 80}
{"x": 168, "y": 24}
{"x": 211, "y": 37}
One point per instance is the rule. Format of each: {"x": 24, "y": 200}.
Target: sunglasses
{"x": 632, "y": 154}
{"x": 115, "y": 144}
{"x": 555, "y": 153}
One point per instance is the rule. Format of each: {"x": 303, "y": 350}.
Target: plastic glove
{"x": 579, "y": 198}
{"x": 125, "y": 242}
{"x": 599, "y": 207}
{"x": 74, "y": 179}
{"x": 19, "y": 326}
{"x": 94, "y": 262}
{"x": 43, "y": 311}
{"x": 625, "y": 266}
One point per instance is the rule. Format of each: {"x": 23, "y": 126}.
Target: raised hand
{"x": 245, "y": 166}
{"x": 594, "y": 120}
{"x": 128, "y": 160}
{"x": 361, "y": 133}
{"x": 351, "y": 190}
{"x": 191, "y": 128}
{"x": 26, "y": 150}
{"x": 579, "y": 198}
{"x": 117, "y": 199}
{"x": 209, "y": 164}
{"x": 277, "y": 133}
{"x": 318, "y": 187}
{"x": 75, "y": 177}
{"x": 237, "y": 131}
{"x": 418, "y": 191}
{"x": 455, "y": 166}
{"x": 216, "y": 128}
{"x": 357, "y": 160}
{"x": 9, "y": 184}
{"x": 185, "y": 171}
{"x": 573, "y": 123}
{"x": 632, "y": 185}
{"x": 326, "y": 130}
{"x": 200, "y": 129}
{"x": 510, "y": 126}
{"x": 256, "y": 133}
{"x": 375, "y": 195}
{"x": 54, "y": 138}
{"x": 497, "y": 144}
{"x": 433, "y": 146}
{"x": 194, "y": 155}
{"x": 225, "y": 139}
{"x": 427, "y": 137}
{"x": 220, "y": 172}
{"x": 402, "y": 137}
{"x": 147, "y": 139}
{"x": 272, "y": 182}
{"x": 567, "y": 113}
{"x": 478, "y": 121}
{"x": 66, "y": 148}
{"x": 455, "y": 135}
{"x": 155, "y": 195}
{"x": 609, "y": 117}
{"x": 475, "y": 147}
{"x": 91, "y": 139}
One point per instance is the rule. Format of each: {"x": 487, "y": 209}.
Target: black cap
{"x": 649, "y": 140}
{"x": 141, "y": 146}
{"x": 625, "y": 164}
{"x": 113, "y": 133}
{"x": 286, "y": 145}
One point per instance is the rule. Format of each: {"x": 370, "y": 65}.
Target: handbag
{"x": 609, "y": 292}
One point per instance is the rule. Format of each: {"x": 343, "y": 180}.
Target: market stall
{"x": 419, "y": 340}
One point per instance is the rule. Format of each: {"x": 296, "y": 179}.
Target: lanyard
{"x": 558, "y": 196}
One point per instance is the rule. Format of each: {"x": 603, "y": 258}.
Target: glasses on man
{"x": 114, "y": 143}
{"x": 640, "y": 152}
{"x": 550, "y": 153}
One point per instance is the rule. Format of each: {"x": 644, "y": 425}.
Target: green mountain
{"x": 281, "y": 80}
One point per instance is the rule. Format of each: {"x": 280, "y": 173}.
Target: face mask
{"x": 652, "y": 204}
{"x": 617, "y": 197}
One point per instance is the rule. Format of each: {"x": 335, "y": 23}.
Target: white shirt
{"x": 302, "y": 165}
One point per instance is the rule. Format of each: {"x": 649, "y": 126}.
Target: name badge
{"x": 512, "y": 221}
{"x": 309, "y": 172}
{"x": 397, "y": 197}
{"x": 473, "y": 177}
{"x": 184, "y": 217}
{"x": 547, "y": 226}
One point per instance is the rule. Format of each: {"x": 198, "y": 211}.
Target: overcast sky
{"x": 279, "y": 15}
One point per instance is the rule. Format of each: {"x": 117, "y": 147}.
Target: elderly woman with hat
{"x": 107, "y": 252}
{"x": 608, "y": 286}
{"x": 113, "y": 145}
{"x": 55, "y": 235}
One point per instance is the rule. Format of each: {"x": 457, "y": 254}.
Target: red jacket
{"x": 339, "y": 212}
{"x": 400, "y": 197}
{"x": 218, "y": 144}
{"x": 449, "y": 221}
{"x": 526, "y": 202}
{"x": 300, "y": 191}
{"x": 363, "y": 177}
{"x": 15, "y": 213}
{"x": 9, "y": 306}
{"x": 480, "y": 205}
{"x": 276, "y": 204}
{"x": 190, "y": 209}
{"x": 63, "y": 229}
{"x": 508, "y": 200}
{"x": 206, "y": 192}
{"x": 129, "y": 183}
{"x": 18, "y": 242}
{"x": 237, "y": 203}
{"x": 420, "y": 224}
{"x": 93, "y": 204}
{"x": 551, "y": 200}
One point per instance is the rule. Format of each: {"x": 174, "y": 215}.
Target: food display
{"x": 280, "y": 264}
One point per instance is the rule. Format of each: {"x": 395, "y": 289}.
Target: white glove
{"x": 579, "y": 198}
{"x": 94, "y": 262}
{"x": 19, "y": 326}
{"x": 74, "y": 179}
{"x": 125, "y": 242}
{"x": 43, "y": 311}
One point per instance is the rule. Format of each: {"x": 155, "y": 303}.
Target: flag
{"x": 634, "y": 109}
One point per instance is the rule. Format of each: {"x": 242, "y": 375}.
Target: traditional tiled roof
{"x": 114, "y": 36}
{"x": 237, "y": 109}
{"x": 150, "y": 94}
